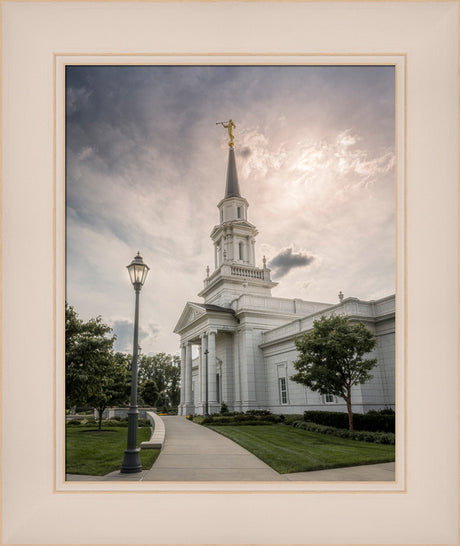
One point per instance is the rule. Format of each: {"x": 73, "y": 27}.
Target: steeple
{"x": 234, "y": 245}
{"x": 232, "y": 188}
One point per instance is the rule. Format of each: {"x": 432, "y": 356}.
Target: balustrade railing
{"x": 240, "y": 271}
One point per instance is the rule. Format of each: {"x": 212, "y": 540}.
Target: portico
{"x": 207, "y": 338}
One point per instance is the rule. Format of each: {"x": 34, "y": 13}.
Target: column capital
{"x": 203, "y": 335}
{"x": 213, "y": 332}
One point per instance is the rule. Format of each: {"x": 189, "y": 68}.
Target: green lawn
{"x": 288, "y": 449}
{"x": 95, "y": 453}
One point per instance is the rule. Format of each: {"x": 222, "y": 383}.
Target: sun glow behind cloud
{"x": 146, "y": 168}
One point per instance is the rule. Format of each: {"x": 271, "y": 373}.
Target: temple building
{"x": 244, "y": 336}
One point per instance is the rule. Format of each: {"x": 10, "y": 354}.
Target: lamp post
{"x": 132, "y": 462}
{"x": 206, "y": 409}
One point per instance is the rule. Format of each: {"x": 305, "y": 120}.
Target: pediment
{"x": 191, "y": 313}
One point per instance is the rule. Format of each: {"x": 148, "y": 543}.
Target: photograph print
{"x": 230, "y": 273}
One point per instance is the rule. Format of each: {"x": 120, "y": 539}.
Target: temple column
{"x": 236, "y": 372}
{"x": 204, "y": 346}
{"x": 253, "y": 252}
{"x": 197, "y": 398}
{"x": 212, "y": 372}
{"x": 188, "y": 378}
{"x": 182, "y": 379}
{"x": 247, "y": 370}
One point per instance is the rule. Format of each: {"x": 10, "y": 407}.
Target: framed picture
{"x": 216, "y": 42}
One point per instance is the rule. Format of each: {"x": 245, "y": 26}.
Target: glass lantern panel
{"x": 131, "y": 273}
{"x": 138, "y": 273}
{"x": 144, "y": 274}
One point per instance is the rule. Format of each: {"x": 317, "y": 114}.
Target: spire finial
{"x": 230, "y": 126}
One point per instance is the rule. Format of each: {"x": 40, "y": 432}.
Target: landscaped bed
{"x": 288, "y": 449}
{"x": 96, "y": 453}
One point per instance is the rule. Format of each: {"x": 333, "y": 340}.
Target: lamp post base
{"x": 131, "y": 462}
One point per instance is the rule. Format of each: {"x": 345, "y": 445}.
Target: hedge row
{"x": 360, "y": 435}
{"x": 240, "y": 419}
{"x": 117, "y": 422}
{"x": 373, "y": 421}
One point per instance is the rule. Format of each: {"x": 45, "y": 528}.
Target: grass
{"x": 95, "y": 453}
{"x": 287, "y": 449}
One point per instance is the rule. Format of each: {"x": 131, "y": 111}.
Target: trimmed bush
{"x": 73, "y": 422}
{"x": 144, "y": 423}
{"x": 113, "y": 423}
{"x": 240, "y": 419}
{"x": 289, "y": 419}
{"x": 359, "y": 435}
{"x": 373, "y": 421}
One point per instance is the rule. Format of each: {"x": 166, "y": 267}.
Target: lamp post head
{"x": 138, "y": 271}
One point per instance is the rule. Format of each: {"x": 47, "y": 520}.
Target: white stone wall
{"x": 378, "y": 393}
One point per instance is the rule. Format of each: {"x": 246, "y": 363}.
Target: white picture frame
{"x": 37, "y": 507}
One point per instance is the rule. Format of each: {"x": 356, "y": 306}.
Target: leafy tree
{"x": 94, "y": 375}
{"x": 149, "y": 392}
{"x": 331, "y": 358}
{"x": 112, "y": 389}
{"x": 88, "y": 348}
{"x": 164, "y": 369}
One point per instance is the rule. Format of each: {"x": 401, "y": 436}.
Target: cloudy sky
{"x": 146, "y": 166}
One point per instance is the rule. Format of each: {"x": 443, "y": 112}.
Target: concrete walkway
{"x": 195, "y": 453}
{"x": 383, "y": 472}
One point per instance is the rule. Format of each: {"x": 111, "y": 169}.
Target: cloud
{"x": 124, "y": 330}
{"x": 286, "y": 260}
{"x": 146, "y": 166}
{"x": 245, "y": 152}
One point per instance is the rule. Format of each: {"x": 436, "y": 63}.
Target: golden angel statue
{"x": 230, "y": 126}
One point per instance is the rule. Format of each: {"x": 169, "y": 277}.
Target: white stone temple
{"x": 244, "y": 336}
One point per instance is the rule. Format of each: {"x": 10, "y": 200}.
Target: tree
{"x": 94, "y": 375}
{"x": 164, "y": 369}
{"x": 331, "y": 358}
{"x": 112, "y": 389}
{"x": 149, "y": 392}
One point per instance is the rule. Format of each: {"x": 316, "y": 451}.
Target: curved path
{"x": 195, "y": 453}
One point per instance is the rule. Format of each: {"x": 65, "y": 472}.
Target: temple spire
{"x": 232, "y": 188}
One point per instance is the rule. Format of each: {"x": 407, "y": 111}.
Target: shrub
{"x": 144, "y": 423}
{"x": 240, "y": 419}
{"x": 113, "y": 423}
{"x": 359, "y": 435}
{"x": 373, "y": 421}
{"x": 224, "y": 409}
{"x": 289, "y": 419}
{"x": 73, "y": 422}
